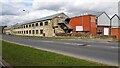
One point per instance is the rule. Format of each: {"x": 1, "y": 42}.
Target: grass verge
{"x": 26, "y": 56}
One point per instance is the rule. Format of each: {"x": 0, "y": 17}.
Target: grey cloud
{"x": 73, "y": 10}
{"x": 8, "y": 20}
{"x": 110, "y": 7}
{"x": 70, "y": 8}
{"x": 12, "y": 9}
{"x": 49, "y": 6}
{"x": 119, "y": 8}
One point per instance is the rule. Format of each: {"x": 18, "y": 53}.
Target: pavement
{"x": 102, "y": 52}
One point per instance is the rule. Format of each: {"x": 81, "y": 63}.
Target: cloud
{"x": 23, "y": 18}
{"x": 119, "y": 8}
{"x": 12, "y": 10}
{"x": 76, "y": 7}
{"x": 13, "y": 7}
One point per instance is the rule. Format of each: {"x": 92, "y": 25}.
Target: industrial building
{"x": 48, "y": 26}
{"x": 92, "y": 23}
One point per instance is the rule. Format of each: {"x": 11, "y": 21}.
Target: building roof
{"x": 97, "y": 14}
{"x": 114, "y": 16}
{"x": 42, "y": 19}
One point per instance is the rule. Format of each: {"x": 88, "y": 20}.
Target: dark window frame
{"x": 33, "y": 31}
{"x": 36, "y": 31}
{"x": 33, "y": 25}
{"x": 26, "y": 31}
{"x": 41, "y": 31}
{"x": 29, "y": 25}
{"x": 26, "y": 26}
{"x": 41, "y": 23}
{"x": 29, "y": 31}
{"x": 46, "y": 23}
{"x": 36, "y": 24}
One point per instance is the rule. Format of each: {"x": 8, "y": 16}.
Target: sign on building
{"x": 79, "y": 28}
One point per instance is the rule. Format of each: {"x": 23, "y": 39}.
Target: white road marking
{"x": 74, "y": 44}
{"x": 48, "y": 41}
{"x": 114, "y": 47}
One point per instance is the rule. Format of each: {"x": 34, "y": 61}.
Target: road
{"x": 101, "y": 52}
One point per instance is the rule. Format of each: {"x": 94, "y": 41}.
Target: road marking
{"x": 74, "y": 44}
{"x": 89, "y": 45}
{"x": 114, "y": 47}
{"x": 48, "y": 41}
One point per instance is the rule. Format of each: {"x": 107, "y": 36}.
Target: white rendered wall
{"x": 103, "y": 20}
{"x": 115, "y": 22}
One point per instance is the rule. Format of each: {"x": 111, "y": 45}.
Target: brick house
{"x": 115, "y": 26}
{"x": 103, "y": 24}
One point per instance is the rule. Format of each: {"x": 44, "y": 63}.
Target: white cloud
{"x": 12, "y": 19}
{"x": 75, "y": 7}
{"x": 12, "y": 9}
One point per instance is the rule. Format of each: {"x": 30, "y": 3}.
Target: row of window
{"x": 34, "y": 25}
{"x": 30, "y": 32}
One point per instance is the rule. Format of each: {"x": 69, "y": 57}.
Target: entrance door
{"x": 106, "y": 31}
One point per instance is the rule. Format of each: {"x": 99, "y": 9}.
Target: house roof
{"x": 114, "y": 16}
{"x": 41, "y": 19}
{"x": 105, "y": 14}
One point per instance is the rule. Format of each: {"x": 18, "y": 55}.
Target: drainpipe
{"x": 110, "y": 27}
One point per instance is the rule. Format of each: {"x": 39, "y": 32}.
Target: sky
{"x": 19, "y": 11}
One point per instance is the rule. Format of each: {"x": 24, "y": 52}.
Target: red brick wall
{"x": 75, "y": 22}
{"x": 93, "y": 27}
{"x": 116, "y": 32}
{"x": 102, "y": 29}
{"x": 84, "y": 21}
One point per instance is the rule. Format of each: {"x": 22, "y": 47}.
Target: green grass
{"x": 26, "y": 56}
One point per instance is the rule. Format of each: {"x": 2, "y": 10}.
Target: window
{"x": 29, "y": 25}
{"x": 46, "y": 23}
{"x": 32, "y": 25}
{"x": 29, "y": 31}
{"x": 36, "y": 31}
{"x": 36, "y": 24}
{"x": 26, "y": 26}
{"x": 24, "y": 32}
{"x": 33, "y": 32}
{"x": 99, "y": 31}
{"x": 41, "y": 31}
{"x": 41, "y": 24}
